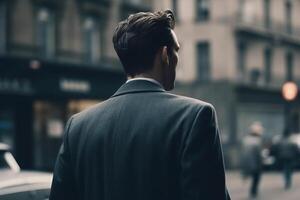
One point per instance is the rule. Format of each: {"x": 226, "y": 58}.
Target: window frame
{"x": 92, "y": 39}
{"x": 268, "y": 55}
{"x": 204, "y": 67}
{"x": 46, "y": 31}
{"x": 241, "y": 60}
{"x": 288, "y": 6}
{"x": 267, "y": 14}
{"x": 203, "y": 14}
{"x": 289, "y": 65}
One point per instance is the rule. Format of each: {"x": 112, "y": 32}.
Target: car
{"x": 7, "y": 161}
{"x": 17, "y": 184}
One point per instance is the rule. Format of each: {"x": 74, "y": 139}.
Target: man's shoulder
{"x": 88, "y": 113}
{"x": 166, "y": 100}
{"x": 188, "y": 101}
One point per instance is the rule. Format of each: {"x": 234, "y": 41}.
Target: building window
{"x": 267, "y": 13}
{"x": 135, "y": 2}
{"x": 288, "y": 14}
{"x": 289, "y": 60}
{"x": 241, "y": 9}
{"x": 3, "y": 19}
{"x": 91, "y": 40}
{"x": 247, "y": 13}
{"x": 129, "y": 7}
{"x": 203, "y": 56}
{"x": 202, "y": 10}
{"x": 241, "y": 58}
{"x": 268, "y": 65}
{"x": 46, "y": 32}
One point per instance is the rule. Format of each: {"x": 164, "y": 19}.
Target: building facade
{"x": 56, "y": 58}
{"x": 237, "y": 54}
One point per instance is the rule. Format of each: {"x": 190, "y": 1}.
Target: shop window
{"x": 76, "y": 106}
{"x": 49, "y": 122}
{"x": 49, "y": 125}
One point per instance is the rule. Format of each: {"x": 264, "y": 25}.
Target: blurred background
{"x": 57, "y": 58}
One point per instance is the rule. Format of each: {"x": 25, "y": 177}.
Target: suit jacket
{"x": 143, "y": 143}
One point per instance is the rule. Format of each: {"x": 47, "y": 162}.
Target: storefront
{"x": 37, "y": 98}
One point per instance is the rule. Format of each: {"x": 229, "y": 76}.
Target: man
{"x": 287, "y": 154}
{"x": 251, "y": 159}
{"x": 143, "y": 143}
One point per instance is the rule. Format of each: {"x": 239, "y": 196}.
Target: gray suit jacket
{"x": 141, "y": 144}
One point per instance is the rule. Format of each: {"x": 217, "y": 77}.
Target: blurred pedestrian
{"x": 143, "y": 143}
{"x": 251, "y": 157}
{"x": 287, "y": 154}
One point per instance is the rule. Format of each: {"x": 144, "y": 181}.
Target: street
{"x": 271, "y": 187}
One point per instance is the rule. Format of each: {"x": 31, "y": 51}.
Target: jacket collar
{"x": 138, "y": 86}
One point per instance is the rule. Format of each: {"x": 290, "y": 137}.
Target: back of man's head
{"x": 138, "y": 38}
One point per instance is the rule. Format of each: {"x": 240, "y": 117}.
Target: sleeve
{"x": 63, "y": 183}
{"x": 202, "y": 165}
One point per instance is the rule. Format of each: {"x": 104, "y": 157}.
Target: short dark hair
{"x": 138, "y": 38}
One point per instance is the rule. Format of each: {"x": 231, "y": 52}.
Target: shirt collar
{"x": 138, "y": 86}
{"x": 146, "y": 79}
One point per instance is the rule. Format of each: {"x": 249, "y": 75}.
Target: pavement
{"x": 271, "y": 187}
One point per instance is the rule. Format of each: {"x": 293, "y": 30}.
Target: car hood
{"x": 10, "y": 178}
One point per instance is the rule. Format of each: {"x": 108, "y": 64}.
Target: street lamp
{"x": 289, "y": 93}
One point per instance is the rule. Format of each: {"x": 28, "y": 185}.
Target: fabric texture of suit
{"x": 143, "y": 143}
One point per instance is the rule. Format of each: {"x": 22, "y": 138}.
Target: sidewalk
{"x": 271, "y": 187}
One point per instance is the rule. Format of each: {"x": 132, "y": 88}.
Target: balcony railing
{"x": 257, "y": 25}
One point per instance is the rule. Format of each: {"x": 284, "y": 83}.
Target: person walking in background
{"x": 251, "y": 157}
{"x": 287, "y": 154}
{"x": 143, "y": 143}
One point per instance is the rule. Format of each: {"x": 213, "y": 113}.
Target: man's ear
{"x": 164, "y": 55}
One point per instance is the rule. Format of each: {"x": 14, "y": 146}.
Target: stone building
{"x": 237, "y": 54}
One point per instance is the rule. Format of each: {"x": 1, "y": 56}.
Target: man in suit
{"x": 143, "y": 143}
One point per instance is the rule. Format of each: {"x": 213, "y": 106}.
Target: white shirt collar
{"x": 146, "y": 79}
